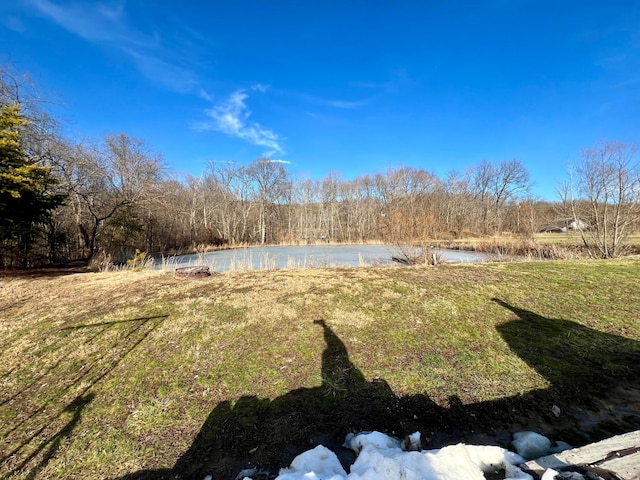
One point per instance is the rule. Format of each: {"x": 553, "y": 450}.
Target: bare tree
{"x": 603, "y": 194}
{"x": 305, "y": 197}
{"x": 270, "y": 180}
{"x": 497, "y": 186}
{"x": 456, "y": 205}
{"x": 365, "y": 209}
{"x": 331, "y": 203}
{"x": 107, "y": 179}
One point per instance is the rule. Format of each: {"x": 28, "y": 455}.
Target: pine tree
{"x": 26, "y": 196}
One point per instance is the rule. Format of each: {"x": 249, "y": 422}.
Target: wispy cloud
{"x": 398, "y": 78}
{"x": 202, "y": 93}
{"x": 106, "y": 24}
{"x": 630, "y": 82}
{"x": 231, "y": 117}
{"x": 260, "y": 87}
{"x": 101, "y": 23}
{"x": 599, "y": 110}
{"x": 374, "y": 90}
{"x": 166, "y": 73}
{"x": 277, "y": 160}
{"x": 171, "y": 61}
{"x": 344, "y": 104}
{"x": 13, "y": 23}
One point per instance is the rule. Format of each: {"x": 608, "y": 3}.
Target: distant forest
{"x": 63, "y": 200}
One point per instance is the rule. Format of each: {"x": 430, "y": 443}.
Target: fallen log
{"x": 192, "y": 272}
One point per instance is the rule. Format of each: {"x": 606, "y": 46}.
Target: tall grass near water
{"x": 505, "y": 248}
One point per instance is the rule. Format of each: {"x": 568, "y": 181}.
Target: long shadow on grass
{"x": 574, "y": 359}
{"x": 273, "y": 431}
{"x": 254, "y": 432}
{"x": 50, "y": 406}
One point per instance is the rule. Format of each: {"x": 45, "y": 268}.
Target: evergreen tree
{"x": 26, "y": 195}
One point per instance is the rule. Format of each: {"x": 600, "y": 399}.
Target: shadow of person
{"x": 257, "y": 432}
{"x": 574, "y": 359}
{"x": 267, "y": 434}
{"x": 594, "y": 376}
{"x": 339, "y": 374}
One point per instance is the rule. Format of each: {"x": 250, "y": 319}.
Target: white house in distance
{"x": 564, "y": 226}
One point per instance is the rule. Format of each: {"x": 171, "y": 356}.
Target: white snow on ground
{"x": 531, "y": 445}
{"x": 381, "y": 457}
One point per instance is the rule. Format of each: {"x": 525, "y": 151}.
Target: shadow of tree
{"x": 47, "y": 271}
{"x": 253, "y": 432}
{"x": 53, "y": 444}
{"x": 44, "y": 421}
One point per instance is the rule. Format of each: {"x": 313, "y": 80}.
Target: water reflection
{"x": 279, "y": 257}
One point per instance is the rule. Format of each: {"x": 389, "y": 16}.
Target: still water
{"x": 276, "y": 257}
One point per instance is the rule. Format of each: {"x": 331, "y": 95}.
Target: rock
{"x": 412, "y": 443}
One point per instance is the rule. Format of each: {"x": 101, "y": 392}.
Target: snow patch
{"x": 319, "y": 463}
{"x": 382, "y": 457}
{"x": 357, "y": 442}
{"x": 549, "y": 474}
{"x": 531, "y": 445}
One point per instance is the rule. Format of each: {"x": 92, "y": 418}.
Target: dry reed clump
{"x": 518, "y": 248}
{"x": 416, "y": 255}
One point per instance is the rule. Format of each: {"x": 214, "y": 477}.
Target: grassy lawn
{"x": 141, "y": 375}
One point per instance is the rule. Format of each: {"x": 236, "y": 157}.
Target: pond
{"x": 309, "y": 256}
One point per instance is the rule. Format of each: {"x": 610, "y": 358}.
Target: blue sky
{"x": 353, "y": 86}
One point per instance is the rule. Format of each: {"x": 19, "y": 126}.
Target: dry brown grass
{"x": 541, "y": 246}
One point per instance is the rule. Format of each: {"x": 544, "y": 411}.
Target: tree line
{"x": 64, "y": 200}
